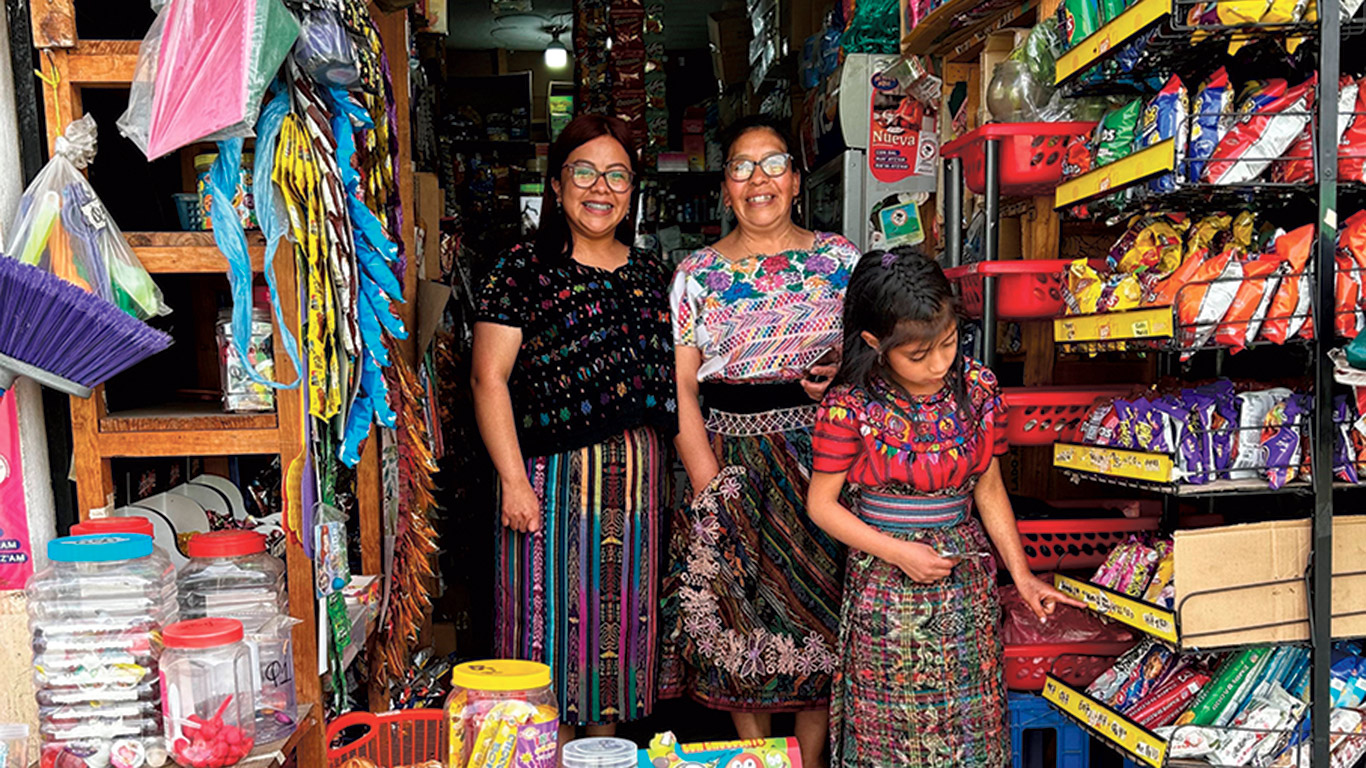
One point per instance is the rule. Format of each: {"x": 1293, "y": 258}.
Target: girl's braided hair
{"x": 900, "y": 296}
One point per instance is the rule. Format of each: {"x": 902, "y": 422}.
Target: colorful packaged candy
{"x": 665, "y": 752}
{"x": 1082, "y": 288}
{"x": 1166, "y": 702}
{"x": 1260, "y": 135}
{"x": 1141, "y": 681}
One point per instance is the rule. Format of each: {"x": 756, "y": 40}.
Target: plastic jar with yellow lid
{"x": 502, "y": 714}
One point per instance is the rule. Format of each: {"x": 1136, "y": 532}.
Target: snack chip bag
{"x": 1260, "y": 135}
{"x": 1081, "y": 288}
{"x": 1164, "y": 291}
{"x": 1346, "y": 296}
{"x": 1352, "y": 140}
{"x": 1077, "y": 20}
{"x": 1163, "y": 118}
{"x": 1203, "y": 302}
{"x": 1281, "y": 441}
{"x": 1296, "y": 166}
{"x": 1253, "y": 408}
{"x": 1344, "y": 457}
{"x": 1152, "y": 243}
{"x": 1235, "y": 331}
{"x": 1290, "y": 307}
{"x": 1213, "y": 113}
{"x": 1114, "y": 138}
{"x": 1121, "y": 292}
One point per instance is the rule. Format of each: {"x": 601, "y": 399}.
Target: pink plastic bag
{"x": 1019, "y": 625}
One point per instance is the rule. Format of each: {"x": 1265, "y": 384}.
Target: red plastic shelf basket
{"x": 402, "y": 738}
{"x": 1066, "y": 545}
{"x": 1027, "y": 289}
{"x": 1076, "y": 664}
{"x": 1031, "y": 155}
{"x": 1044, "y": 415}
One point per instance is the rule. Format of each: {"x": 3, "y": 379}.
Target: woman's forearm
{"x": 498, "y": 427}
{"x": 826, "y": 511}
{"x": 993, "y": 503}
{"x": 694, "y": 448}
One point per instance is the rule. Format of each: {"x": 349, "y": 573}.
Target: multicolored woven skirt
{"x": 921, "y": 683}
{"x": 581, "y": 593}
{"x": 751, "y": 606}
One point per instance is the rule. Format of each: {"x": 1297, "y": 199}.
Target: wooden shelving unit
{"x": 100, "y": 436}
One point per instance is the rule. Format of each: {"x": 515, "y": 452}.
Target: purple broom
{"x": 63, "y": 337}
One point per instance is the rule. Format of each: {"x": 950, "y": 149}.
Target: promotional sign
{"x": 16, "y": 555}
{"x": 904, "y": 138}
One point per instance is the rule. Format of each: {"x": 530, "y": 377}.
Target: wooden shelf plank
{"x": 101, "y": 63}
{"x": 189, "y": 252}
{"x": 178, "y": 417}
{"x": 199, "y": 442}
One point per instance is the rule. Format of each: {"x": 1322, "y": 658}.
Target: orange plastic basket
{"x": 407, "y": 737}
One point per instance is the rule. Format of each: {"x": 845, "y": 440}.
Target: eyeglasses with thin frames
{"x": 585, "y": 176}
{"x": 773, "y": 166}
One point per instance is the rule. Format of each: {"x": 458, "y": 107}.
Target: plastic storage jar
{"x": 130, "y": 524}
{"x": 600, "y": 753}
{"x": 502, "y": 713}
{"x": 230, "y": 575}
{"x": 13, "y": 745}
{"x": 206, "y": 682}
{"x": 96, "y": 617}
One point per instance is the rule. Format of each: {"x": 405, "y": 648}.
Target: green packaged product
{"x": 1109, "y": 9}
{"x": 1114, "y": 138}
{"x": 1243, "y": 692}
{"x": 1216, "y": 695}
{"x": 1079, "y": 18}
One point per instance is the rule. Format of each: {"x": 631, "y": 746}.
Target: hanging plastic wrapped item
{"x": 324, "y": 50}
{"x": 874, "y": 27}
{"x": 202, "y": 71}
{"x": 62, "y": 227}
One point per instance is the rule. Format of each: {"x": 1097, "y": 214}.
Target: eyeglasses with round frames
{"x": 585, "y": 176}
{"x": 773, "y": 166}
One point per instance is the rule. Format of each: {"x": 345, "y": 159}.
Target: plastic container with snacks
{"x": 207, "y": 692}
{"x": 502, "y": 714}
{"x": 241, "y": 200}
{"x": 240, "y": 392}
{"x": 96, "y": 615}
{"x": 140, "y": 526}
{"x": 13, "y": 745}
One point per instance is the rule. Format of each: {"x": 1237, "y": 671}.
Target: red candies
{"x": 212, "y": 744}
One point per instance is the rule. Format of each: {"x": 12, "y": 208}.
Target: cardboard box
{"x": 995, "y": 50}
{"x": 1235, "y": 577}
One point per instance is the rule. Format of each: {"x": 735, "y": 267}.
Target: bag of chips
{"x": 1205, "y": 300}
{"x": 1352, "y": 144}
{"x": 1081, "y": 288}
{"x": 1260, "y": 136}
{"x": 1077, "y": 20}
{"x": 1281, "y": 440}
{"x": 1163, "y": 118}
{"x": 1297, "y": 165}
{"x": 1114, "y": 137}
{"x": 1233, "y": 332}
{"x": 1344, "y": 457}
{"x": 1213, "y": 112}
{"x": 1253, "y": 407}
{"x": 1165, "y": 291}
{"x": 1290, "y": 307}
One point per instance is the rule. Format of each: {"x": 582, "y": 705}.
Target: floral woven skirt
{"x": 921, "y": 683}
{"x": 752, "y": 599}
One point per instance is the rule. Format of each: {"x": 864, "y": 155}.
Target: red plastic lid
{"x": 202, "y": 633}
{"x": 227, "y": 544}
{"x": 97, "y": 525}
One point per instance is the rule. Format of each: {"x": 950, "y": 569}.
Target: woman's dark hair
{"x": 553, "y": 236}
{"x": 902, "y": 297}
{"x": 758, "y": 123}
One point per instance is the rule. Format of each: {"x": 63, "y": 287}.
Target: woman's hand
{"x": 1042, "y": 598}
{"x": 816, "y": 380}
{"x": 921, "y": 562}
{"x": 521, "y": 508}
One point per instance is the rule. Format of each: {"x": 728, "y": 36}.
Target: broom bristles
{"x": 58, "y": 327}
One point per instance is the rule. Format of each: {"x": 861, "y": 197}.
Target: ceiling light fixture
{"x": 556, "y": 56}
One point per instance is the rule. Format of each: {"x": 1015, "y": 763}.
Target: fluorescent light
{"x": 556, "y": 57}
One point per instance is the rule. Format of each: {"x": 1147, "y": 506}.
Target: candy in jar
{"x": 502, "y": 714}
{"x": 207, "y": 693}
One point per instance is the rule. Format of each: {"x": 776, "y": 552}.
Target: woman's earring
{"x": 881, "y": 358}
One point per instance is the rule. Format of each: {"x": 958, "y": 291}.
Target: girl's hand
{"x": 921, "y": 562}
{"x": 521, "y": 508}
{"x": 1042, "y": 598}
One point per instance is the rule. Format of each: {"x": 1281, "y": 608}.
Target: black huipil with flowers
{"x": 597, "y": 352}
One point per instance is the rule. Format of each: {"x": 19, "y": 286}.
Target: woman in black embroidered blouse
{"x": 573, "y": 383}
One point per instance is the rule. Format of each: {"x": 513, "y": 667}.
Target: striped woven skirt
{"x": 580, "y": 594}
{"x": 752, "y": 598}
{"x": 921, "y": 683}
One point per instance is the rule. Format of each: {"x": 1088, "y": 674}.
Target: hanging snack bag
{"x": 1297, "y": 165}
{"x": 1281, "y": 441}
{"x": 1082, "y": 288}
{"x": 1165, "y": 291}
{"x": 1352, "y": 143}
{"x": 1346, "y": 296}
{"x": 1203, "y": 304}
{"x": 1260, "y": 136}
{"x": 1190, "y": 458}
{"x": 1151, "y": 244}
{"x": 1344, "y": 458}
{"x": 1197, "y": 442}
{"x": 1253, "y": 408}
{"x": 1077, "y": 20}
{"x": 1163, "y": 118}
{"x": 1290, "y": 308}
{"x": 1212, "y": 110}
{"x": 1114, "y": 137}
{"x": 1221, "y": 438}
{"x": 1234, "y": 331}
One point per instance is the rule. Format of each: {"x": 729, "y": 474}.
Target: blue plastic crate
{"x": 1029, "y": 712}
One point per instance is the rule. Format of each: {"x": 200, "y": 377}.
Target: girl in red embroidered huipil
{"x": 916, "y": 428}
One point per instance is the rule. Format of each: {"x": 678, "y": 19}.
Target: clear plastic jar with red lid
{"x": 208, "y": 693}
